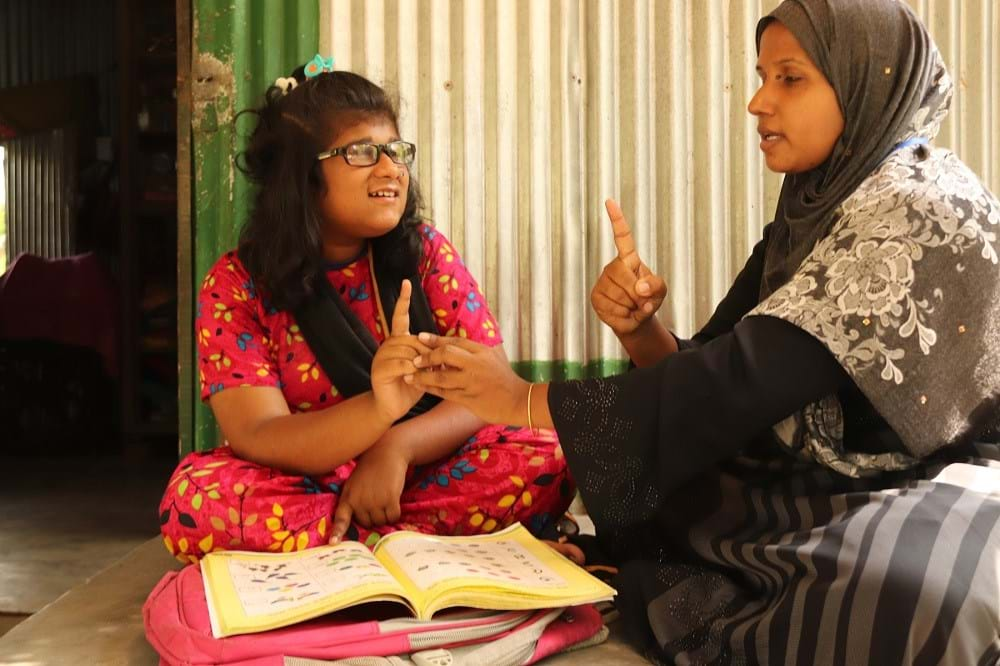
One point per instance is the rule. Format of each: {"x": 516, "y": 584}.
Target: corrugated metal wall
{"x": 41, "y": 193}
{"x": 48, "y": 40}
{"x": 528, "y": 114}
{"x": 44, "y": 40}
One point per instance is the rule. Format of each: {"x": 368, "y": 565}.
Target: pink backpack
{"x": 177, "y": 625}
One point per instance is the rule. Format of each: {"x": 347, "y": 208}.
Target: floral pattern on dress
{"x": 243, "y": 341}
{"x": 215, "y": 500}
{"x": 915, "y": 247}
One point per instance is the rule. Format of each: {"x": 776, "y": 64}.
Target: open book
{"x": 507, "y": 570}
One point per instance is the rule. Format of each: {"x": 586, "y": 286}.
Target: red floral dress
{"x": 215, "y": 500}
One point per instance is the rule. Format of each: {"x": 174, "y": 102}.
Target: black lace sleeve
{"x": 633, "y": 438}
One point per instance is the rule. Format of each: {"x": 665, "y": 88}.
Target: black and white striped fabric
{"x": 802, "y": 567}
{"x": 766, "y": 559}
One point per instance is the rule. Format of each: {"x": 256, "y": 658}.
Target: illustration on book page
{"x": 264, "y": 587}
{"x": 428, "y": 561}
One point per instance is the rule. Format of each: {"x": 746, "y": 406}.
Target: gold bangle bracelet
{"x": 530, "y": 426}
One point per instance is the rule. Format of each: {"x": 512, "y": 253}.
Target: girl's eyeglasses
{"x": 367, "y": 154}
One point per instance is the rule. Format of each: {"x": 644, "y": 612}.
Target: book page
{"x": 264, "y": 587}
{"x": 428, "y": 560}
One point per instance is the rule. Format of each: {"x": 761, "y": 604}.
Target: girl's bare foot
{"x": 567, "y": 550}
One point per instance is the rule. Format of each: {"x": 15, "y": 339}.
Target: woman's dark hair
{"x": 281, "y": 243}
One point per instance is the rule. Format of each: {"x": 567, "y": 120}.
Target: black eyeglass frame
{"x": 381, "y": 148}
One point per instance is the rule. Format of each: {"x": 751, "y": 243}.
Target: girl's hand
{"x": 627, "y": 293}
{"x": 372, "y": 491}
{"x": 473, "y": 375}
{"x": 394, "y": 360}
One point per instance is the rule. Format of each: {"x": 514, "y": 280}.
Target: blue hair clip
{"x": 318, "y": 65}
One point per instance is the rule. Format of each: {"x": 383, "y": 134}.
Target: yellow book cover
{"x": 507, "y": 570}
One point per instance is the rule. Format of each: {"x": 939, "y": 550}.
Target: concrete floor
{"x": 66, "y": 519}
{"x": 9, "y": 621}
{"x": 79, "y": 552}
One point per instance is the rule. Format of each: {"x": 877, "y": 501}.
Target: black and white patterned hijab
{"x": 887, "y": 255}
{"x": 886, "y": 73}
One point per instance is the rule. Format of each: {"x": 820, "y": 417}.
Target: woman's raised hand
{"x": 394, "y": 360}
{"x": 627, "y": 293}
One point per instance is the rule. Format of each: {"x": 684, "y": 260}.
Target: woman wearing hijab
{"x": 811, "y": 478}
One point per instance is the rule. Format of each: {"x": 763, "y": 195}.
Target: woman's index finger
{"x": 623, "y": 236}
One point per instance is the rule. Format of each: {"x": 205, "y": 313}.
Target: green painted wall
{"x": 239, "y": 48}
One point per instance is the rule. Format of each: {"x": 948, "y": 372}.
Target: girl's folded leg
{"x": 216, "y": 501}
{"x": 501, "y": 475}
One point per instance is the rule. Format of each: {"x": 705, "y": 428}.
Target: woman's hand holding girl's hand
{"x": 394, "y": 360}
{"x": 473, "y": 375}
{"x": 627, "y": 293}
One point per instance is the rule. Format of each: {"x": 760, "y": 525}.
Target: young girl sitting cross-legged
{"x": 303, "y": 369}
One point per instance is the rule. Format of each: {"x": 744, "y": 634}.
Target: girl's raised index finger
{"x": 401, "y": 313}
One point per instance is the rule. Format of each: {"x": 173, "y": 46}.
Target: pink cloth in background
{"x": 70, "y": 300}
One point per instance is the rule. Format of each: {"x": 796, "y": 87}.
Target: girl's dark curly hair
{"x": 281, "y": 243}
